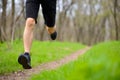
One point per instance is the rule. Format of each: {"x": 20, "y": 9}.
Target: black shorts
{"x": 48, "y": 10}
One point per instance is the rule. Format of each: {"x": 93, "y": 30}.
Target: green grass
{"x": 101, "y": 62}
{"x": 41, "y": 52}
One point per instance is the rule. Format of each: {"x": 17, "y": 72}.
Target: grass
{"x": 41, "y": 52}
{"x": 101, "y": 62}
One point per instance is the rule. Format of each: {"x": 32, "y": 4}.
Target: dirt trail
{"x": 24, "y": 75}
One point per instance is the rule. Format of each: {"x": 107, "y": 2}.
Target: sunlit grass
{"x": 102, "y": 62}
{"x": 40, "y": 52}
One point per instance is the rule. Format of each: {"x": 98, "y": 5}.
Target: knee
{"x": 30, "y": 22}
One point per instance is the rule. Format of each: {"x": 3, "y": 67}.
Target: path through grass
{"x": 41, "y": 52}
{"x": 102, "y": 62}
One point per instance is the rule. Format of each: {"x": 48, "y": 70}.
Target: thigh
{"x": 32, "y": 8}
{"x": 49, "y": 12}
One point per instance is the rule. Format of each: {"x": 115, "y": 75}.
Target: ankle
{"x": 27, "y": 53}
{"x": 50, "y": 30}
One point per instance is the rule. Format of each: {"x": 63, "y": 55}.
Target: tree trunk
{"x": 3, "y": 22}
{"x": 12, "y": 19}
{"x": 107, "y": 30}
{"x": 115, "y": 19}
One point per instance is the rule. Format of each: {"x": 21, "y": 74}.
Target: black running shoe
{"x": 25, "y": 60}
{"x": 53, "y": 35}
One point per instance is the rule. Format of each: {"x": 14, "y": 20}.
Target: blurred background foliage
{"x": 85, "y": 21}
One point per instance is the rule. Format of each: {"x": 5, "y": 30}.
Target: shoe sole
{"x": 23, "y": 61}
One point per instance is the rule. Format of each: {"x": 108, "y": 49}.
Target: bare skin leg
{"x": 24, "y": 59}
{"x": 28, "y": 34}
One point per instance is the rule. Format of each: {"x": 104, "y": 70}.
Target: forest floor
{"x": 25, "y": 74}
